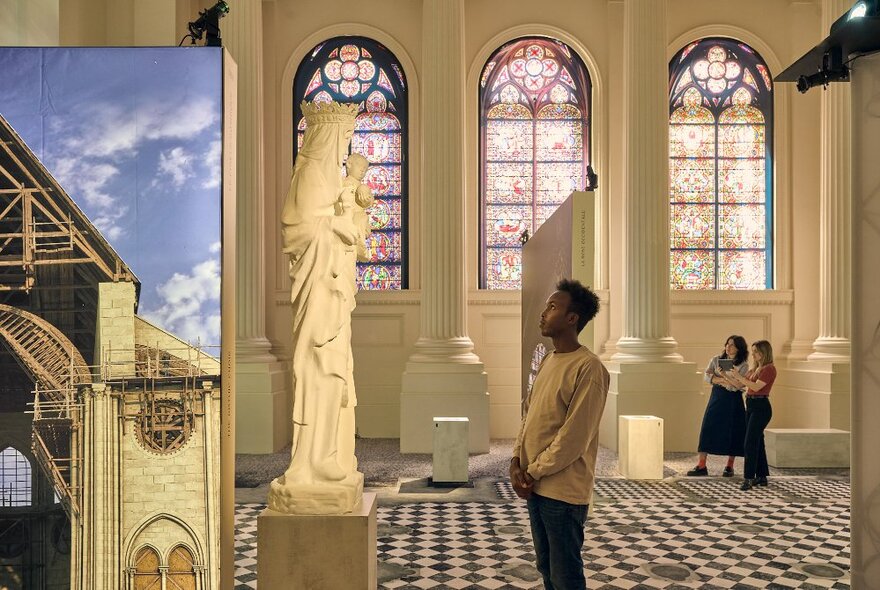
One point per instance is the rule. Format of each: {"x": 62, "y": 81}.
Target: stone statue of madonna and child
{"x": 322, "y": 230}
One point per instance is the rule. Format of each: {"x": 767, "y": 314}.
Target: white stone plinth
{"x": 807, "y": 447}
{"x": 450, "y": 450}
{"x": 640, "y": 449}
{"x": 318, "y": 552}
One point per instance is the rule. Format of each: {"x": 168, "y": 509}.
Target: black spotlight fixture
{"x": 854, "y": 34}
{"x": 208, "y": 24}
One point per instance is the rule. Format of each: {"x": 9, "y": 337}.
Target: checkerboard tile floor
{"x": 757, "y": 540}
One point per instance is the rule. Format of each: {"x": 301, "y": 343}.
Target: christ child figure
{"x": 354, "y": 198}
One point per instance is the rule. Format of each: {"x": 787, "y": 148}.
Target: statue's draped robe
{"x": 322, "y": 297}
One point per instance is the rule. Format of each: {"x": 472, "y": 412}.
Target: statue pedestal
{"x": 318, "y": 552}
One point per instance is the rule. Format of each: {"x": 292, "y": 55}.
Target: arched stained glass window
{"x": 720, "y": 172}
{"x": 15, "y": 478}
{"x": 360, "y": 70}
{"x": 534, "y": 145}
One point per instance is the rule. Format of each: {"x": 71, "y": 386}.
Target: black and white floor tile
{"x": 691, "y": 534}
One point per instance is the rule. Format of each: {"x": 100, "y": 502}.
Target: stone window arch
{"x": 16, "y": 478}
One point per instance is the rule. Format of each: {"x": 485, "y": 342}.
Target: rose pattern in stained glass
{"x": 719, "y": 140}
{"x": 333, "y": 70}
{"x": 349, "y": 53}
{"x": 742, "y": 269}
{"x": 349, "y": 70}
{"x": 508, "y": 140}
{"x": 349, "y": 88}
{"x": 533, "y": 140}
{"x": 692, "y": 269}
{"x": 366, "y": 70}
{"x": 741, "y": 226}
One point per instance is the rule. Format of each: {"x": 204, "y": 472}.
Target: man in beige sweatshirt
{"x": 554, "y": 457}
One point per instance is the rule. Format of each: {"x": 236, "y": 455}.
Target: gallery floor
{"x": 676, "y": 533}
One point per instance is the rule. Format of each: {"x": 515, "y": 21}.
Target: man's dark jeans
{"x": 558, "y": 534}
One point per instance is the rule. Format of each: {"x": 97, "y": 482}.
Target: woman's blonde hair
{"x": 766, "y": 351}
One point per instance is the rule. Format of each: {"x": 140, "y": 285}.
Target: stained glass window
{"x": 360, "y": 70}
{"x": 720, "y": 177}
{"x": 535, "y": 140}
{"x": 15, "y": 478}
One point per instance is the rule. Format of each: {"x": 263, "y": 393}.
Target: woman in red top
{"x": 758, "y": 383}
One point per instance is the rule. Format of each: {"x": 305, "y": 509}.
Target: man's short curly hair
{"x": 584, "y": 302}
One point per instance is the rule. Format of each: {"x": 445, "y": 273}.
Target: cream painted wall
{"x": 31, "y": 23}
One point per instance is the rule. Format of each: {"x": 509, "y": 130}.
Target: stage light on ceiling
{"x": 854, "y": 34}
{"x": 208, "y": 24}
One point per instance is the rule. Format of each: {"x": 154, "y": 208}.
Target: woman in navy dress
{"x": 724, "y": 422}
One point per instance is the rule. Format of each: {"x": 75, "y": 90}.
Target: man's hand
{"x": 521, "y": 481}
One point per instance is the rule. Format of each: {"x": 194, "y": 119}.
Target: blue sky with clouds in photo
{"x": 133, "y": 136}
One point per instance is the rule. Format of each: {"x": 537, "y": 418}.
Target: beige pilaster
{"x": 262, "y": 418}
{"x": 865, "y": 409}
{"x": 833, "y": 343}
{"x": 443, "y": 377}
{"x": 647, "y": 374}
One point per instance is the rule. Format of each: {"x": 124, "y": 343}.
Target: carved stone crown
{"x": 328, "y": 112}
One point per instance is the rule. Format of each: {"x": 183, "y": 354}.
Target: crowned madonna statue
{"x": 321, "y": 239}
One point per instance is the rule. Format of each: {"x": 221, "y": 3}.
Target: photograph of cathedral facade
{"x": 110, "y": 381}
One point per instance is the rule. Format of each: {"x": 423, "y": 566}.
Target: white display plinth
{"x": 807, "y": 447}
{"x": 640, "y": 448}
{"x": 450, "y": 450}
{"x": 297, "y": 552}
